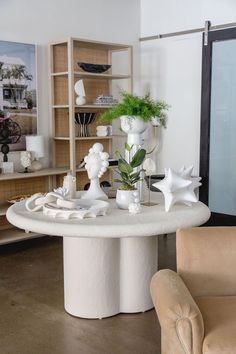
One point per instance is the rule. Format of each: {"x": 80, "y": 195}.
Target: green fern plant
{"x": 132, "y": 105}
{"x": 129, "y": 175}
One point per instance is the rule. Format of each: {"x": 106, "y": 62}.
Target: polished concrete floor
{"x": 32, "y": 316}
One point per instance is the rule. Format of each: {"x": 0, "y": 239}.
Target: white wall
{"x": 171, "y": 70}
{"x": 41, "y": 22}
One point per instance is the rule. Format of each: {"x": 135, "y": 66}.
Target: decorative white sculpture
{"x": 56, "y": 205}
{"x": 135, "y": 206}
{"x": 79, "y": 90}
{"x": 69, "y": 183}
{"x": 96, "y": 164}
{"x": 178, "y": 187}
{"x": 25, "y": 159}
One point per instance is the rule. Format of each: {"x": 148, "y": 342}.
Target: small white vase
{"x": 133, "y": 127}
{"x": 124, "y": 198}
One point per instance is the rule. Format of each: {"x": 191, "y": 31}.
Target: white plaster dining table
{"x": 109, "y": 260}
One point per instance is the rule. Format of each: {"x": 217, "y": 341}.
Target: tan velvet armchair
{"x": 196, "y": 306}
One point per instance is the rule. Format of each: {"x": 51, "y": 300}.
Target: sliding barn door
{"x": 218, "y": 126}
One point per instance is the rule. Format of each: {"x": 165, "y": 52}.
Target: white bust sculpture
{"x": 96, "y": 163}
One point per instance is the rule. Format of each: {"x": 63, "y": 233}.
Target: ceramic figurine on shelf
{"x": 25, "y": 159}
{"x": 79, "y": 90}
{"x": 96, "y": 164}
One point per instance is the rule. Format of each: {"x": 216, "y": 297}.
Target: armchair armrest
{"x": 181, "y": 321}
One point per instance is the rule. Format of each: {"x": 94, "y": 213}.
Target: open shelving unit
{"x": 68, "y": 148}
{"x": 13, "y": 184}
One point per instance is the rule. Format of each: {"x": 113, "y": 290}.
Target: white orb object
{"x": 134, "y": 208}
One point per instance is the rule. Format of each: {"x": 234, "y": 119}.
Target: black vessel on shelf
{"x": 94, "y": 68}
{"x": 84, "y": 119}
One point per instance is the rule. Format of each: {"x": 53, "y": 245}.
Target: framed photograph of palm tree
{"x": 18, "y": 87}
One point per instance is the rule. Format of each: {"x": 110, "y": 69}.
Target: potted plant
{"x": 130, "y": 174}
{"x": 135, "y": 112}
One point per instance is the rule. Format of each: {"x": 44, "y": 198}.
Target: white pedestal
{"x": 103, "y": 277}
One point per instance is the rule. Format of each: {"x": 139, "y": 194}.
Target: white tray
{"x": 85, "y": 208}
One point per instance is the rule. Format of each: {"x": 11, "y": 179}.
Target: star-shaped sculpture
{"x": 178, "y": 187}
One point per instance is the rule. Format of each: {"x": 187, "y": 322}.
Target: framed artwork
{"x": 18, "y": 87}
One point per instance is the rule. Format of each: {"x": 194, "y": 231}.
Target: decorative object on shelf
{"x": 7, "y": 167}
{"x": 69, "y": 185}
{"x": 35, "y": 144}
{"x": 84, "y": 119}
{"x": 96, "y": 164}
{"x": 82, "y": 209}
{"x": 135, "y": 206}
{"x": 103, "y": 100}
{"x": 178, "y": 187}
{"x": 150, "y": 167}
{"x": 94, "y": 68}
{"x": 25, "y": 159}
{"x": 10, "y": 133}
{"x": 130, "y": 174}
{"x": 18, "y": 198}
{"x": 79, "y": 90}
{"x": 102, "y": 130}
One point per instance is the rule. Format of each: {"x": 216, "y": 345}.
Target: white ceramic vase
{"x": 133, "y": 127}
{"x": 124, "y": 198}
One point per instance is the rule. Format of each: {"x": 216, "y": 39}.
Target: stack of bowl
{"x": 102, "y": 130}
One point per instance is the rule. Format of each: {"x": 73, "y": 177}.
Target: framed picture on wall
{"x": 18, "y": 87}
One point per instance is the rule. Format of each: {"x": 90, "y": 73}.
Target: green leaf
{"x": 138, "y": 158}
{"x": 124, "y": 166}
{"x": 127, "y": 147}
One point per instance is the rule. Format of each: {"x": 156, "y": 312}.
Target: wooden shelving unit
{"x": 13, "y": 184}
{"x": 68, "y": 148}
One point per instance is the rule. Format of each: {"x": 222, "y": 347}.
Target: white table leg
{"x": 91, "y": 271}
{"x": 138, "y": 263}
{"x": 103, "y": 277}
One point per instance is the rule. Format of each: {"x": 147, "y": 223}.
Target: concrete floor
{"x": 32, "y": 316}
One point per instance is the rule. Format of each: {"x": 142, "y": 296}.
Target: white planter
{"x": 133, "y": 127}
{"x": 124, "y": 198}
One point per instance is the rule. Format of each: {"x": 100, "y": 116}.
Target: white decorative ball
{"x": 134, "y": 208}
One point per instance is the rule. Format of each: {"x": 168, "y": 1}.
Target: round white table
{"x": 109, "y": 260}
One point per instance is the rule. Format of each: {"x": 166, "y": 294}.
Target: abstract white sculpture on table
{"x": 79, "y": 90}
{"x": 96, "y": 164}
{"x": 69, "y": 183}
{"x": 135, "y": 206}
{"x": 178, "y": 187}
{"x": 55, "y": 204}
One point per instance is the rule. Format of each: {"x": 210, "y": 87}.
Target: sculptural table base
{"x": 103, "y": 277}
